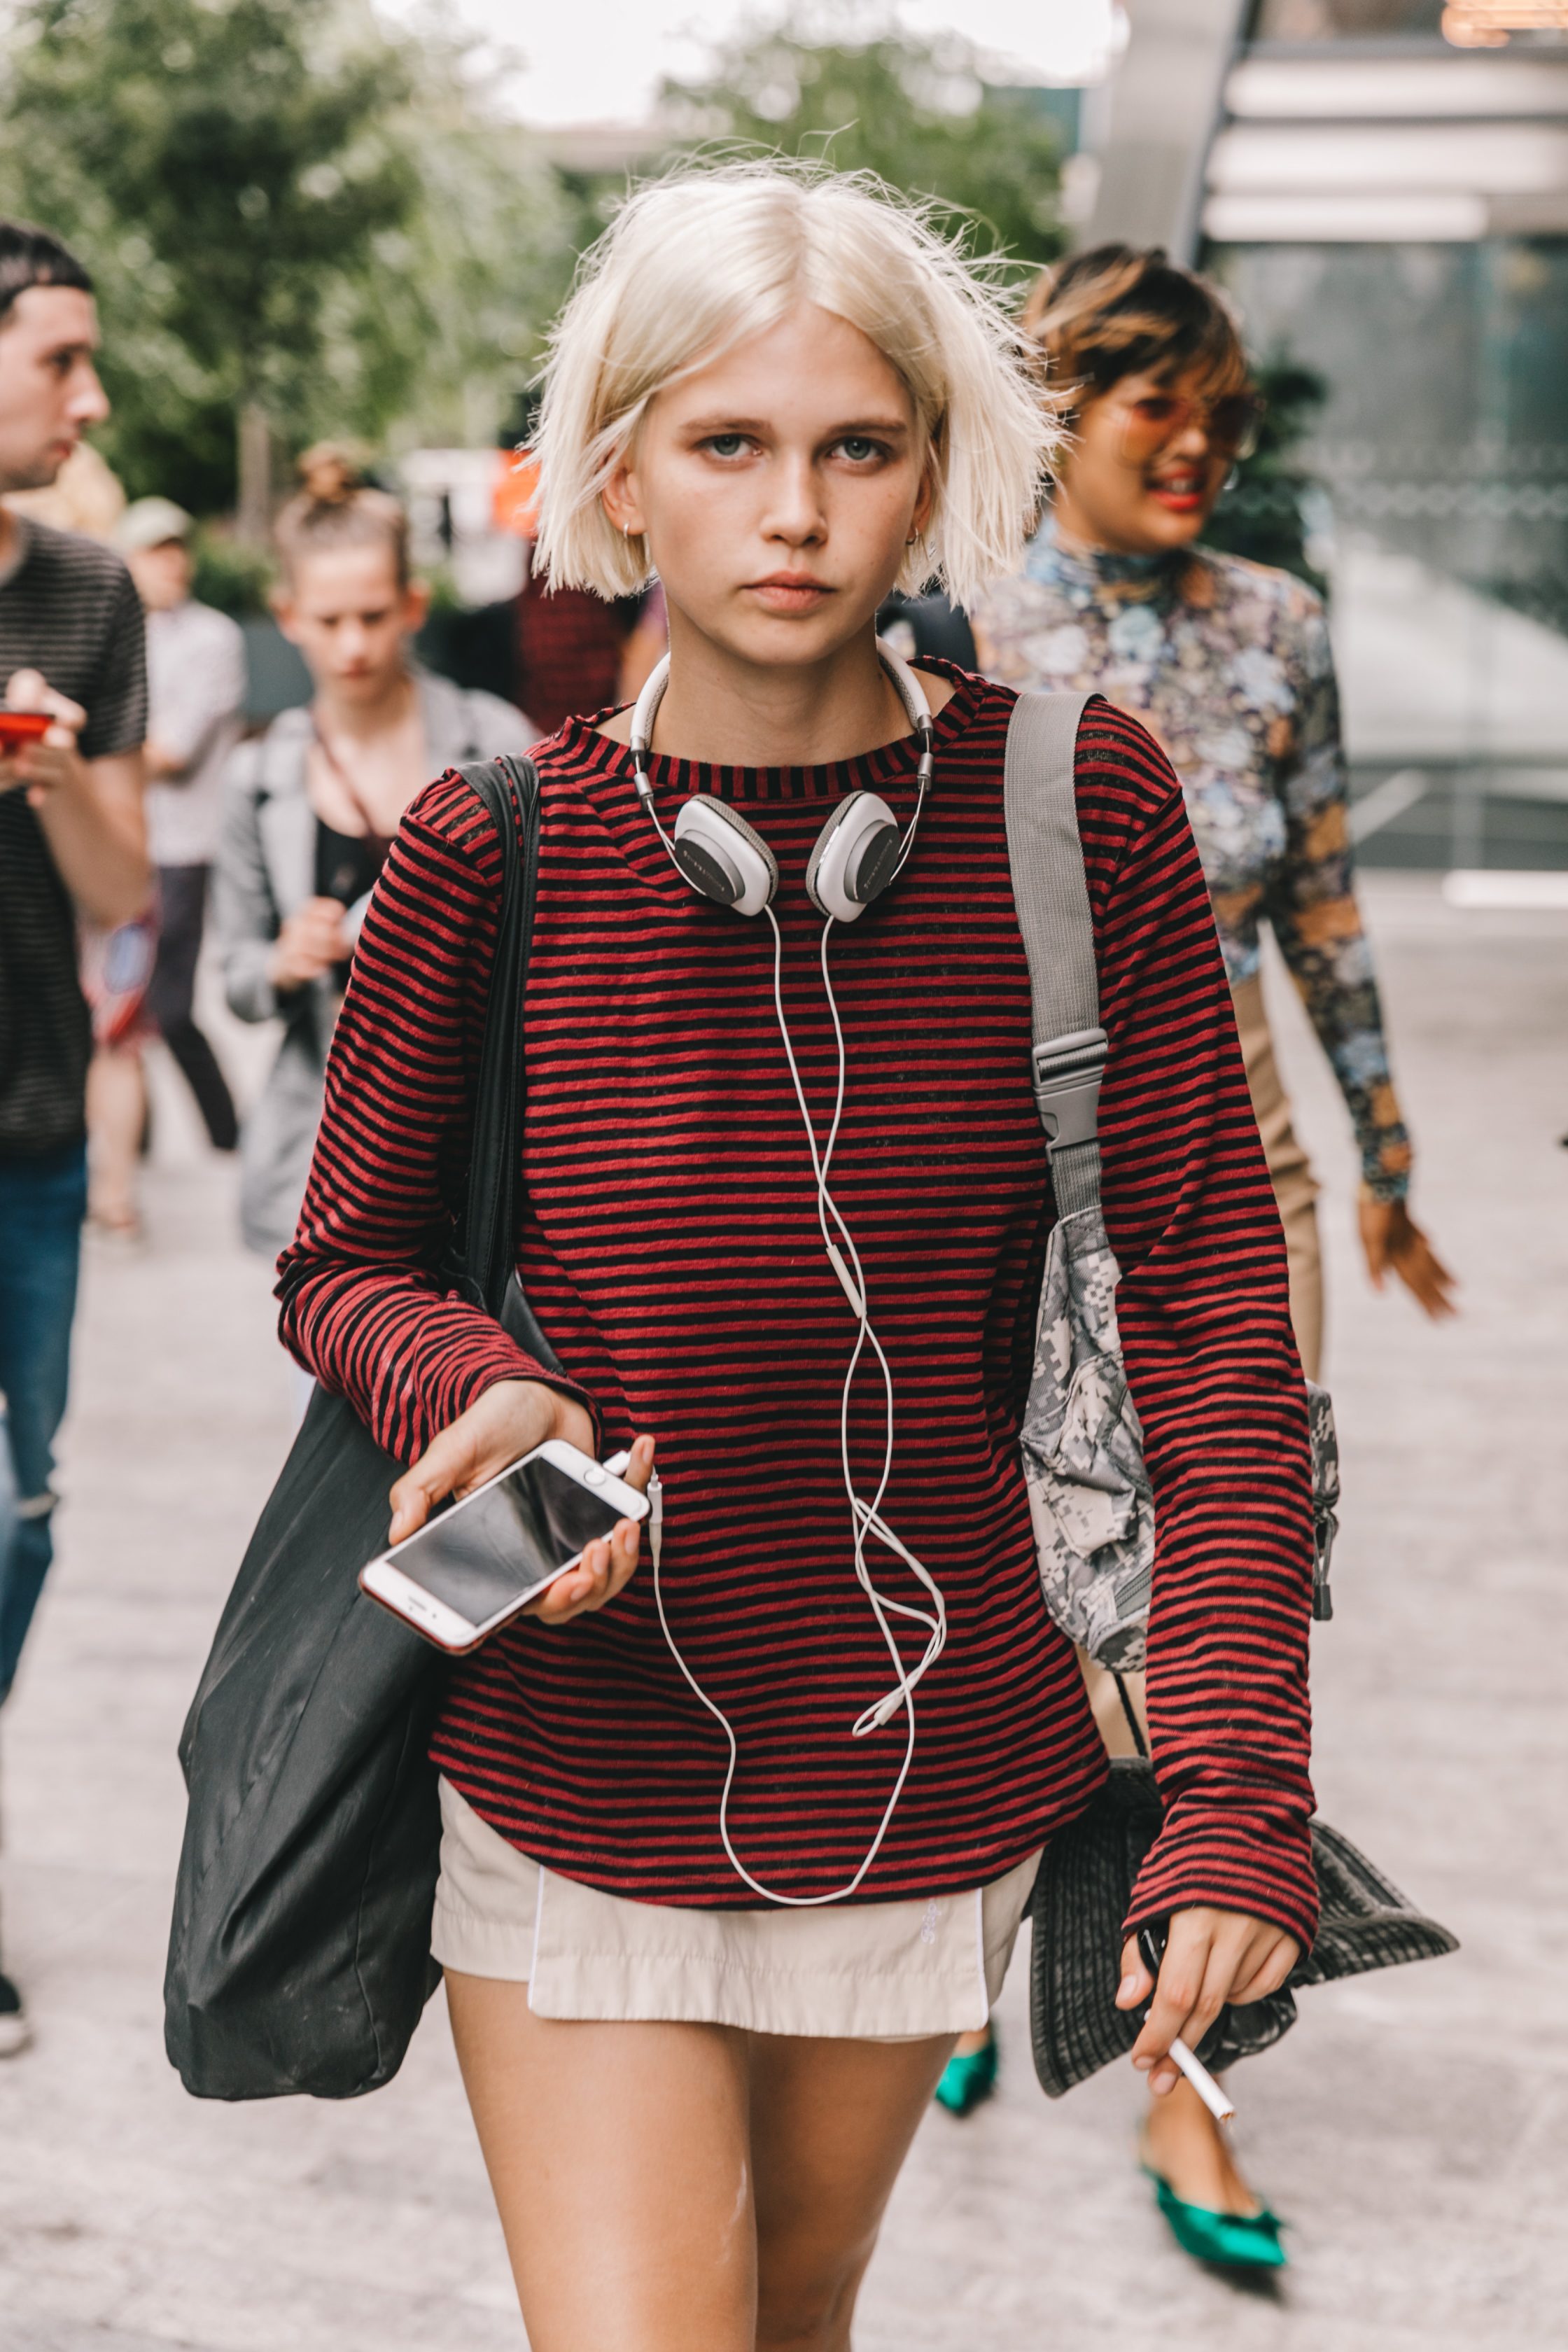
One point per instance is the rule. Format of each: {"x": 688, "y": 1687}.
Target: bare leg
{"x": 116, "y": 1107}
{"x": 1182, "y": 2142}
{"x": 619, "y": 2158}
{"x": 831, "y": 2125}
{"x": 668, "y": 2187}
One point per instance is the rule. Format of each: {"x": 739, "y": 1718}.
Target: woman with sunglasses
{"x": 1227, "y": 664}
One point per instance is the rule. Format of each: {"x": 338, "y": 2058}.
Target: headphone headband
{"x": 858, "y": 853}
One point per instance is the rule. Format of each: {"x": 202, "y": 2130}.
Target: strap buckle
{"x": 1067, "y": 1072}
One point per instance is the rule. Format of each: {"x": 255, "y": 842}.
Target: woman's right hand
{"x": 1391, "y": 1238}
{"x": 509, "y": 1420}
{"x": 311, "y": 943}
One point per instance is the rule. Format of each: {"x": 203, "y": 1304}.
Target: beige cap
{"x": 150, "y": 522}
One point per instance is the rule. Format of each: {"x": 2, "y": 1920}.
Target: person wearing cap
{"x": 195, "y": 681}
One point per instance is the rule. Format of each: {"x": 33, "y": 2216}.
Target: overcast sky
{"x": 602, "y": 60}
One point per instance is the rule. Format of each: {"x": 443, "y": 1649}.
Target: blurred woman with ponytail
{"x": 314, "y": 803}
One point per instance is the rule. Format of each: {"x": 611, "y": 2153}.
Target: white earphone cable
{"x": 867, "y": 1516}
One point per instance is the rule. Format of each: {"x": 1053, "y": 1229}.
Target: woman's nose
{"x": 796, "y": 508}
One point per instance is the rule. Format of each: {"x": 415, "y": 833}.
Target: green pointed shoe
{"x": 966, "y": 2082}
{"x": 1237, "y": 2242}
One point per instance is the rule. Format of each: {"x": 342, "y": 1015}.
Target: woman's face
{"x": 1147, "y": 464}
{"x": 778, "y": 487}
{"x": 346, "y": 610}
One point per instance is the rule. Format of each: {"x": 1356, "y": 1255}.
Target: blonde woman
{"x": 706, "y": 1950}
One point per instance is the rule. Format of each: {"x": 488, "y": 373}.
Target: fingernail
{"x": 1127, "y": 1986}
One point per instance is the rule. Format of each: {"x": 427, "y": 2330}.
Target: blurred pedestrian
{"x": 786, "y": 395}
{"x": 72, "y": 842}
{"x": 312, "y": 805}
{"x": 1229, "y": 665}
{"x": 140, "y": 979}
{"x": 195, "y": 681}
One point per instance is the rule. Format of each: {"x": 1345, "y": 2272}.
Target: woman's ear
{"x": 415, "y": 605}
{"x": 621, "y": 502}
{"x": 925, "y": 497}
{"x": 281, "y": 606}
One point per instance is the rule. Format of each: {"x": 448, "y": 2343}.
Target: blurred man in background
{"x": 72, "y": 840}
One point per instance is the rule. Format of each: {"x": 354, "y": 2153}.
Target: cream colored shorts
{"x": 863, "y": 1972}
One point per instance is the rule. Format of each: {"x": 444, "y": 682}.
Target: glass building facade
{"x": 1390, "y": 210}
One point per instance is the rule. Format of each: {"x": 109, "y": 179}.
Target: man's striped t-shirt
{"x": 70, "y": 609}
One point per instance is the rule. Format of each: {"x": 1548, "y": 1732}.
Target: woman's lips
{"x": 1182, "y": 497}
{"x": 785, "y": 595}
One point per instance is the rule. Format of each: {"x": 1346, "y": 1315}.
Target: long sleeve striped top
{"x": 670, "y": 1249}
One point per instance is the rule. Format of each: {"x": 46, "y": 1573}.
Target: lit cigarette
{"x": 1219, "y": 2106}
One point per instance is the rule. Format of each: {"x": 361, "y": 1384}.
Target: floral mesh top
{"x": 1227, "y": 664}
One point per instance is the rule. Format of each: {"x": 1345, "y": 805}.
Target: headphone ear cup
{"x": 856, "y": 857}
{"x": 723, "y": 857}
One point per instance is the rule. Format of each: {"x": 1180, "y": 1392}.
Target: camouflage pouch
{"x": 1082, "y": 1445}
{"x": 1083, "y": 1454}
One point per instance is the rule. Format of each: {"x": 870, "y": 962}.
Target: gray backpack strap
{"x": 1052, "y": 899}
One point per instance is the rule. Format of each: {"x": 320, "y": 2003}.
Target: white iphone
{"x": 477, "y": 1563}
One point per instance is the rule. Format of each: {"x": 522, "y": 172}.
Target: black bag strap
{"x": 488, "y": 1243}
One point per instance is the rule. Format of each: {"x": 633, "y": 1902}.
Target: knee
{"x": 807, "y": 2307}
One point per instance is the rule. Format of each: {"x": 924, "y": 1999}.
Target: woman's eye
{"x": 858, "y": 448}
{"x": 726, "y": 444}
{"x": 1156, "y": 411}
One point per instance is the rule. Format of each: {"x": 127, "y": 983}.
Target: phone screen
{"x": 505, "y": 1542}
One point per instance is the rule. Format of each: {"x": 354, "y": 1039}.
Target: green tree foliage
{"x": 916, "y": 112}
{"x": 283, "y": 204}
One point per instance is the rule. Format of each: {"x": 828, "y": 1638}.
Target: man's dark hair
{"x": 31, "y": 257}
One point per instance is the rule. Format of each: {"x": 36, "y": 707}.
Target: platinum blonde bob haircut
{"x": 697, "y": 263}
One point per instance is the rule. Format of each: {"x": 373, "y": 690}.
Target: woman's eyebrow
{"x": 886, "y": 426}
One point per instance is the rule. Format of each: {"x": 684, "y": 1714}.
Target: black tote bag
{"x": 300, "y": 1952}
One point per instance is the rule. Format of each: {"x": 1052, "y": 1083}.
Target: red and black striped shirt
{"x": 671, "y": 1248}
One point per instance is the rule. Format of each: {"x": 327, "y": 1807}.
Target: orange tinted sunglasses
{"x": 1231, "y": 424}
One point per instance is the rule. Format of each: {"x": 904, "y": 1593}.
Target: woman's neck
{"x": 1065, "y": 553}
{"x": 729, "y": 712}
{"x": 363, "y": 722}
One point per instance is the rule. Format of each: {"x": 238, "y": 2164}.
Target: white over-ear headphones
{"x": 858, "y": 852}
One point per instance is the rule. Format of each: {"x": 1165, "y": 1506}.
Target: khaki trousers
{"x": 1295, "y": 1194}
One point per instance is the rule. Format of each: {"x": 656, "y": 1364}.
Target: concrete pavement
{"x": 1414, "y": 2128}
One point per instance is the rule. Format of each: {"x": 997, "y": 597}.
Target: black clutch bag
{"x": 1083, "y": 1893}
{"x": 300, "y": 1949}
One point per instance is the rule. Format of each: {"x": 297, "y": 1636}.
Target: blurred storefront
{"x": 1383, "y": 185}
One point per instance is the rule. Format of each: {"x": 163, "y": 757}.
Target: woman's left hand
{"x": 1391, "y": 1238}
{"x": 1212, "y": 1957}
